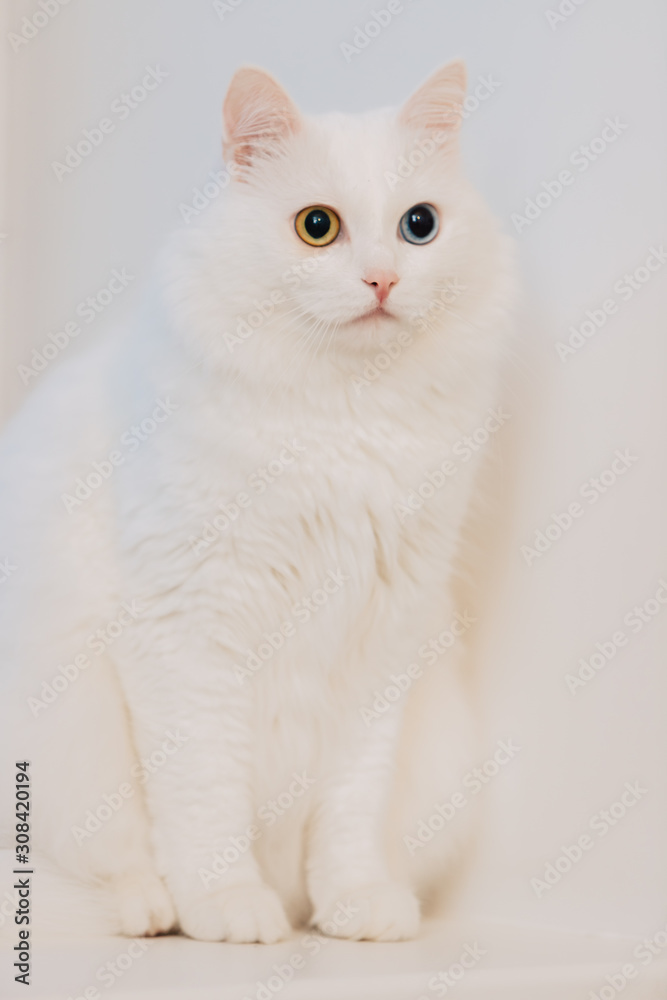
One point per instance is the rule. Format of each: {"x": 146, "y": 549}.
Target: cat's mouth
{"x": 378, "y": 313}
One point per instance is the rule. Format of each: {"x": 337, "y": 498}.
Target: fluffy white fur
{"x": 360, "y": 448}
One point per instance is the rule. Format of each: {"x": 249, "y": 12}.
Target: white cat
{"x": 232, "y": 531}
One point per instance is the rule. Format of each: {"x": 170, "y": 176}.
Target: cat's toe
{"x": 144, "y": 905}
{"x": 240, "y": 914}
{"x": 381, "y": 912}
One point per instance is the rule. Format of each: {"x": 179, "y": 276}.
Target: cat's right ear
{"x": 258, "y": 116}
{"x": 438, "y": 104}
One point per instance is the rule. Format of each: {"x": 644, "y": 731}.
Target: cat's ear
{"x": 438, "y": 104}
{"x": 258, "y": 115}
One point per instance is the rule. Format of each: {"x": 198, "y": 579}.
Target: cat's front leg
{"x": 350, "y": 886}
{"x": 199, "y": 798}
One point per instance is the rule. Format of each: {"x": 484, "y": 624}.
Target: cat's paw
{"x": 241, "y": 914}
{"x": 381, "y": 912}
{"x": 144, "y": 905}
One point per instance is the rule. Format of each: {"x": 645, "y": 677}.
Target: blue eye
{"x": 420, "y": 224}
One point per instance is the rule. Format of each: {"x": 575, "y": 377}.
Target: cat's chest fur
{"x": 343, "y": 469}
{"x": 302, "y": 497}
{"x": 251, "y": 522}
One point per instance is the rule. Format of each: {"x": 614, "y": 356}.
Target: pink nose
{"x": 382, "y": 283}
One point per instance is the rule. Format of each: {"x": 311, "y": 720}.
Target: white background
{"x": 557, "y": 86}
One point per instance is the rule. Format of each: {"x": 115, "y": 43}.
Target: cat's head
{"x": 341, "y": 231}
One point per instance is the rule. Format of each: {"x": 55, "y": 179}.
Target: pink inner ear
{"x": 258, "y": 115}
{"x": 438, "y": 103}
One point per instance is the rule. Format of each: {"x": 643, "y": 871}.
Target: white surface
{"x": 518, "y": 964}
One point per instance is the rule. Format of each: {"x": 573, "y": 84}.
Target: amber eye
{"x": 317, "y": 225}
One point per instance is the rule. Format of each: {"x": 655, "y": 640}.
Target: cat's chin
{"x": 372, "y": 315}
{"x": 367, "y": 332}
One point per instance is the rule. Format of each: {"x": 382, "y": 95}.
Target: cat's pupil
{"x": 420, "y": 221}
{"x": 317, "y": 224}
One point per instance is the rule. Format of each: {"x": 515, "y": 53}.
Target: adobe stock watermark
{"x": 97, "y": 642}
{"x": 88, "y": 310}
{"x": 424, "y": 149}
{"x": 402, "y": 682}
{"x": 646, "y": 952}
{"x": 592, "y": 490}
{"x": 635, "y": 620}
{"x": 31, "y": 26}
{"x": 600, "y": 825}
{"x": 448, "y": 978}
{"x": 291, "y": 278}
{"x": 131, "y": 439}
{"x": 625, "y": 288}
{"x": 446, "y": 296}
{"x": 202, "y": 197}
{"x": 258, "y": 482}
{"x": 303, "y": 611}
{"x": 113, "y": 970}
{"x": 582, "y": 158}
{"x": 473, "y": 782}
{"x": 383, "y": 360}
{"x": 113, "y": 801}
{"x": 565, "y": 10}
{"x": 311, "y": 944}
{"x": 464, "y": 449}
{"x": 121, "y": 109}
{"x": 7, "y": 569}
{"x": 268, "y": 814}
{"x": 224, "y": 7}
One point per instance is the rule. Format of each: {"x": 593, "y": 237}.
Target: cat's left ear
{"x": 438, "y": 104}
{"x": 258, "y": 116}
